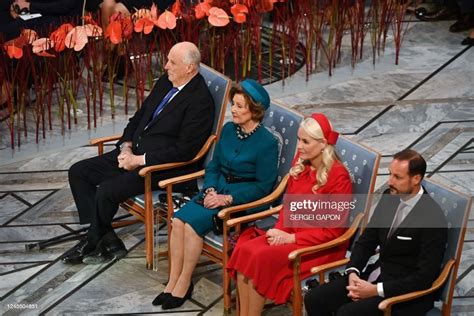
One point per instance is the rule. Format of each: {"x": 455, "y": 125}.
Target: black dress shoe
{"x": 161, "y": 298}
{"x": 107, "y": 249}
{"x": 75, "y": 254}
{"x": 445, "y": 13}
{"x": 175, "y": 302}
{"x": 468, "y": 41}
{"x": 464, "y": 23}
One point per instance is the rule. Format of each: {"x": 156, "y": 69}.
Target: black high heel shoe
{"x": 175, "y": 302}
{"x": 468, "y": 41}
{"x": 161, "y": 298}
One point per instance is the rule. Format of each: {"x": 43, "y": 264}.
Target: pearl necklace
{"x": 243, "y": 135}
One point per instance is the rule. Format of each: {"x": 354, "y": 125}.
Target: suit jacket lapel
{"x": 178, "y": 98}
{"x": 388, "y": 223}
{"x": 411, "y": 220}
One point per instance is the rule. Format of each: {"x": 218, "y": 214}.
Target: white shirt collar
{"x": 411, "y": 202}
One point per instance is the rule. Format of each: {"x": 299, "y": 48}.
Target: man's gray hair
{"x": 192, "y": 56}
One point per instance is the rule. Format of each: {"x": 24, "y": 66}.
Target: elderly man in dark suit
{"x": 410, "y": 229}
{"x": 172, "y": 125}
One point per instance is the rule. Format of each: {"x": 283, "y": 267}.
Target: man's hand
{"x": 276, "y": 237}
{"x": 128, "y": 161}
{"x": 360, "y": 289}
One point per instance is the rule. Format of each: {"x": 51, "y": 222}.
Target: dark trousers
{"x": 331, "y": 298}
{"x": 98, "y": 186}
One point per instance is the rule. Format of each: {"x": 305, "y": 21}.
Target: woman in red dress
{"x": 260, "y": 264}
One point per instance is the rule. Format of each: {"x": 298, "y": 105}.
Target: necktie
{"x": 163, "y": 102}
{"x": 397, "y": 220}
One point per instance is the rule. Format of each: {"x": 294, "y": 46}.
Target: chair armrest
{"x": 386, "y": 305}
{"x": 297, "y": 254}
{"x": 181, "y": 179}
{"x": 224, "y": 213}
{"x": 101, "y": 140}
{"x": 253, "y": 217}
{"x": 171, "y": 165}
{"x": 329, "y": 266}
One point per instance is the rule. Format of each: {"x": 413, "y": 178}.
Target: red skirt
{"x": 268, "y": 266}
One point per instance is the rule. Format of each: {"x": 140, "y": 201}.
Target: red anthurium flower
{"x": 14, "y": 51}
{"x": 29, "y": 35}
{"x": 114, "y": 32}
{"x": 167, "y": 20}
{"x": 153, "y": 12}
{"x": 93, "y": 30}
{"x": 144, "y": 25}
{"x": 176, "y": 8}
{"x": 76, "y": 38}
{"x": 41, "y": 45}
{"x": 142, "y": 13}
{"x": 265, "y": 5}
{"x": 89, "y": 19}
{"x": 202, "y": 9}
{"x": 127, "y": 27}
{"x": 218, "y": 17}
{"x": 117, "y": 16}
{"x": 59, "y": 36}
{"x": 239, "y": 12}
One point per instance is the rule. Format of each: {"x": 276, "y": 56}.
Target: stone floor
{"x": 425, "y": 103}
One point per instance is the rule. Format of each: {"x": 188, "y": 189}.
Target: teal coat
{"x": 255, "y": 157}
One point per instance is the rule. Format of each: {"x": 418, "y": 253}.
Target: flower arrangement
{"x": 85, "y": 59}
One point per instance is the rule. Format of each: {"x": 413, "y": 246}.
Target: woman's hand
{"x": 276, "y": 237}
{"x": 214, "y": 200}
{"x": 13, "y": 13}
{"x": 23, "y": 4}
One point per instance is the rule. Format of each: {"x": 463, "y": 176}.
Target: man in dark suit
{"x": 410, "y": 229}
{"x": 172, "y": 125}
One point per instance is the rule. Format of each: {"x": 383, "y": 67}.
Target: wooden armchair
{"x": 456, "y": 207}
{"x": 362, "y": 163}
{"x": 284, "y": 124}
{"x": 144, "y": 206}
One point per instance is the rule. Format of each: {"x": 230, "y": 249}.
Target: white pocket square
{"x": 404, "y": 238}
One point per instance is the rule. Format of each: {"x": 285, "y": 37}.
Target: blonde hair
{"x": 313, "y": 129}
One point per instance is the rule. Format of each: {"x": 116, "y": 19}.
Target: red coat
{"x": 268, "y": 266}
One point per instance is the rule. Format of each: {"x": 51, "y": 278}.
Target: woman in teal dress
{"x": 243, "y": 169}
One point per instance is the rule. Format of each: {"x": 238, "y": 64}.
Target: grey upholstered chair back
{"x": 456, "y": 207}
{"x": 283, "y": 122}
{"x": 362, "y": 163}
{"x": 219, "y": 86}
